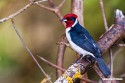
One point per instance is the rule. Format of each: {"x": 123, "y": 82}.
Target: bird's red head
{"x": 69, "y": 19}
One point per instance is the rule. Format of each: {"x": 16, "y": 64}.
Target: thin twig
{"x": 111, "y": 62}
{"x": 116, "y": 53}
{"x": 77, "y": 8}
{"x": 51, "y": 64}
{"x": 61, "y": 47}
{"x": 96, "y": 68}
{"x": 57, "y": 67}
{"x": 45, "y": 7}
{"x": 122, "y": 75}
{"x": 16, "y": 13}
{"x": 122, "y": 45}
{"x": 23, "y": 42}
{"x": 19, "y": 11}
{"x": 103, "y": 14}
{"x": 54, "y": 10}
{"x": 61, "y": 4}
{"x": 40, "y": 1}
{"x": 60, "y": 55}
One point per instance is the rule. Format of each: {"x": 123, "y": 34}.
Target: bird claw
{"x": 90, "y": 59}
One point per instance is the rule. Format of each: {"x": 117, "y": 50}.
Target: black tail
{"x": 103, "y": 67}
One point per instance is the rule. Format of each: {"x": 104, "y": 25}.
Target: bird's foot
{"x": 87, "y": 58}
{"x": 90, "y": 59}
{"x": 79, "y": 59}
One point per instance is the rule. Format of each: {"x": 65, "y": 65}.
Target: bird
{"x": 82, "y": 42}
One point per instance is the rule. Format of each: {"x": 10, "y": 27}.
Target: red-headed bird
{"x": 83, "y": 43}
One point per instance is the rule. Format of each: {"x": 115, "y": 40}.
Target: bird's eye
{"x": 68, "y": 18}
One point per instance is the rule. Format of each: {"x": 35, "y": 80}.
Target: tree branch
{"x": 105, "y": 42}
{"x": 19, "y": 11}
{"x": 77, "y": 8}
{"x": 115, "y": 32}
{"x": 57, "y": 67}
{"x": 61, "y": 47}
{"x": 23, "y": 42}
{"x": 16, "y": 13}
{"x": 60, "y": 55}
{"x": 75, "y": 71}
{"x": 121, "y": 45}
{"x": 103, "y": 14}
{"x": 61, "y": 4}
{"x": 51, "y": 64}
{"x": 53, "y": 9}
{"x": 111, "y": 62}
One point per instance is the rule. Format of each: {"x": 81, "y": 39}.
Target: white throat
{"x": 76, "y": 21}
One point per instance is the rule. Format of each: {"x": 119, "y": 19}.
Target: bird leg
{"x": 90, "y": 59}
{"x": 87, "y": 58}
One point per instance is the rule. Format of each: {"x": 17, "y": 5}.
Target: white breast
{"x": 75, "y": 47}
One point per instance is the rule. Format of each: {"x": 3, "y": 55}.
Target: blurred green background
{"x": 41, "y": 30}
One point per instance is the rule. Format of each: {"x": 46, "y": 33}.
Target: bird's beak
{"x": 64, "y": 20}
